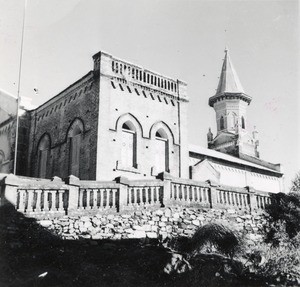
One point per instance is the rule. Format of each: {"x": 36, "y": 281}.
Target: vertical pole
{"x": 18, "y": 93}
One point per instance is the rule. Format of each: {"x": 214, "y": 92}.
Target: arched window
{"x": 129, "y": 145}
{"x": 43, "y": 155}
{"x": 161, "y": 151}
{"x": 243, "y": 123}
{"x": 222, "y": 123}
{"x": 75, "y": 135}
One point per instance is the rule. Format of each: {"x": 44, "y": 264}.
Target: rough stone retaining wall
{"x": 160, "y": 223}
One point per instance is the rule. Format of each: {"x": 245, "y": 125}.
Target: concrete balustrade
{"x": 44, "y": 198}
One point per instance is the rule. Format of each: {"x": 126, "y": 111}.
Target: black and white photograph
{"x": 149, "y": 143}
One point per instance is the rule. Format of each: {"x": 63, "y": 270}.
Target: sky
{"x": 182, "y": 39}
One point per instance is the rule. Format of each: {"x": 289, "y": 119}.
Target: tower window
{"x": 243, "y": 123}
{"x": 222, "y": 123}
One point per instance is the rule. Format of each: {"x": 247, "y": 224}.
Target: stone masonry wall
{"x": 160, "y": 223}
{"x": 79, "y": 101}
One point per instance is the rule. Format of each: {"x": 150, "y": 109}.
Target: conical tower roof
{"x": 229, "y": 83}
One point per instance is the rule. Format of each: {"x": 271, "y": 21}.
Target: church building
{"x": 121, "y": 119}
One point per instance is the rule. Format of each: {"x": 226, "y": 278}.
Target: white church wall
{"x": 265, "y": 182}
{"x": 231, "y": 176}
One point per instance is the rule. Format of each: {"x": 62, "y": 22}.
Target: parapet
{"x": 132, "y": 73}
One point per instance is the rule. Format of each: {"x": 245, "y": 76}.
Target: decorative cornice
{"x": 229, "y": 96}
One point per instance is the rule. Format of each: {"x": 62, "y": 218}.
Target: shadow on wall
{"x": 31, "y": 255}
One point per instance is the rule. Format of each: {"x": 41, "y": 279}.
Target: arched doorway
{"x": 129, "y": 145}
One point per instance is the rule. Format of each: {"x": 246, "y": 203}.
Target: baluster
{"x": 143, "y": 196}
{"x": 192, "y": 193}
{"x": 175, "y": 196}
{"x": 205, "y": 195}
{"x": 196, "y": 193}
{"x": 46, "y": 203}
{"x": 232, "y": 198}
{"x": 235, "y": 199}
{"x": 147, "y": 196}
{"x": 172, "y": 191}
{"x": 219, "y": 200}
{"x": 185, "y": 192}
{"x": 88, "y": 199}
{"x": 30, "y": 200}
{"x": 151, "y": 195}
{"x": 201, "y": 194}
{"x": 157, "y": 194}
{"x": 181, "y": 191}
{"x": 218, "y": 196}
{"x": 60, "y": 200}
{"x": 189, "y": 193}
{"x": 134, "y": 196}
{"x": 154, "y": 199}
{"x": 246, "y": 200}
{"x": 95, "y": 198}
{"x": 80, "y": 203}
{"x": 38, "y": 200}
{"x": 114, "y": 204}
{"x": 53, "y": 200}
{"x": 21, "y": 200}
{"x": 107, "y": 198}
{"x": 101, "y": 194}
{"x": 138, "y": 196}
{"x": 128, "y": 196}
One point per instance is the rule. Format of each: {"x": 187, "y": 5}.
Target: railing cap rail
{"x": 33, "y": 183}
{"x": 98, "y": 184}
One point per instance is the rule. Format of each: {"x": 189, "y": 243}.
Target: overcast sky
{"x": 183, "y": 39}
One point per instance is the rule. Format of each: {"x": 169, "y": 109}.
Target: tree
{"x": 296, "y": 183}
{"x": 284, "y": 209}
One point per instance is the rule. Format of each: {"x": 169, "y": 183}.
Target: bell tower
{"x": 230, "y": 104}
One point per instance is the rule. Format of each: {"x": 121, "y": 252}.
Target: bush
{"x": 284, "y": 209}
{"x": 277, "y": 264}
{"x": 212, "y": 237}
{"x": 296, "y": 183}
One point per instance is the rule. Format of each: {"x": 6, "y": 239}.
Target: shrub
{"x": 277, "y": 264}
{"x": 284, "y": 209}
{"x": 212, "y": 237}
{"x": 296, "y": 183}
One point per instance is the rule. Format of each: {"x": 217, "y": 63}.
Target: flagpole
{"x": 18, "y": 93}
